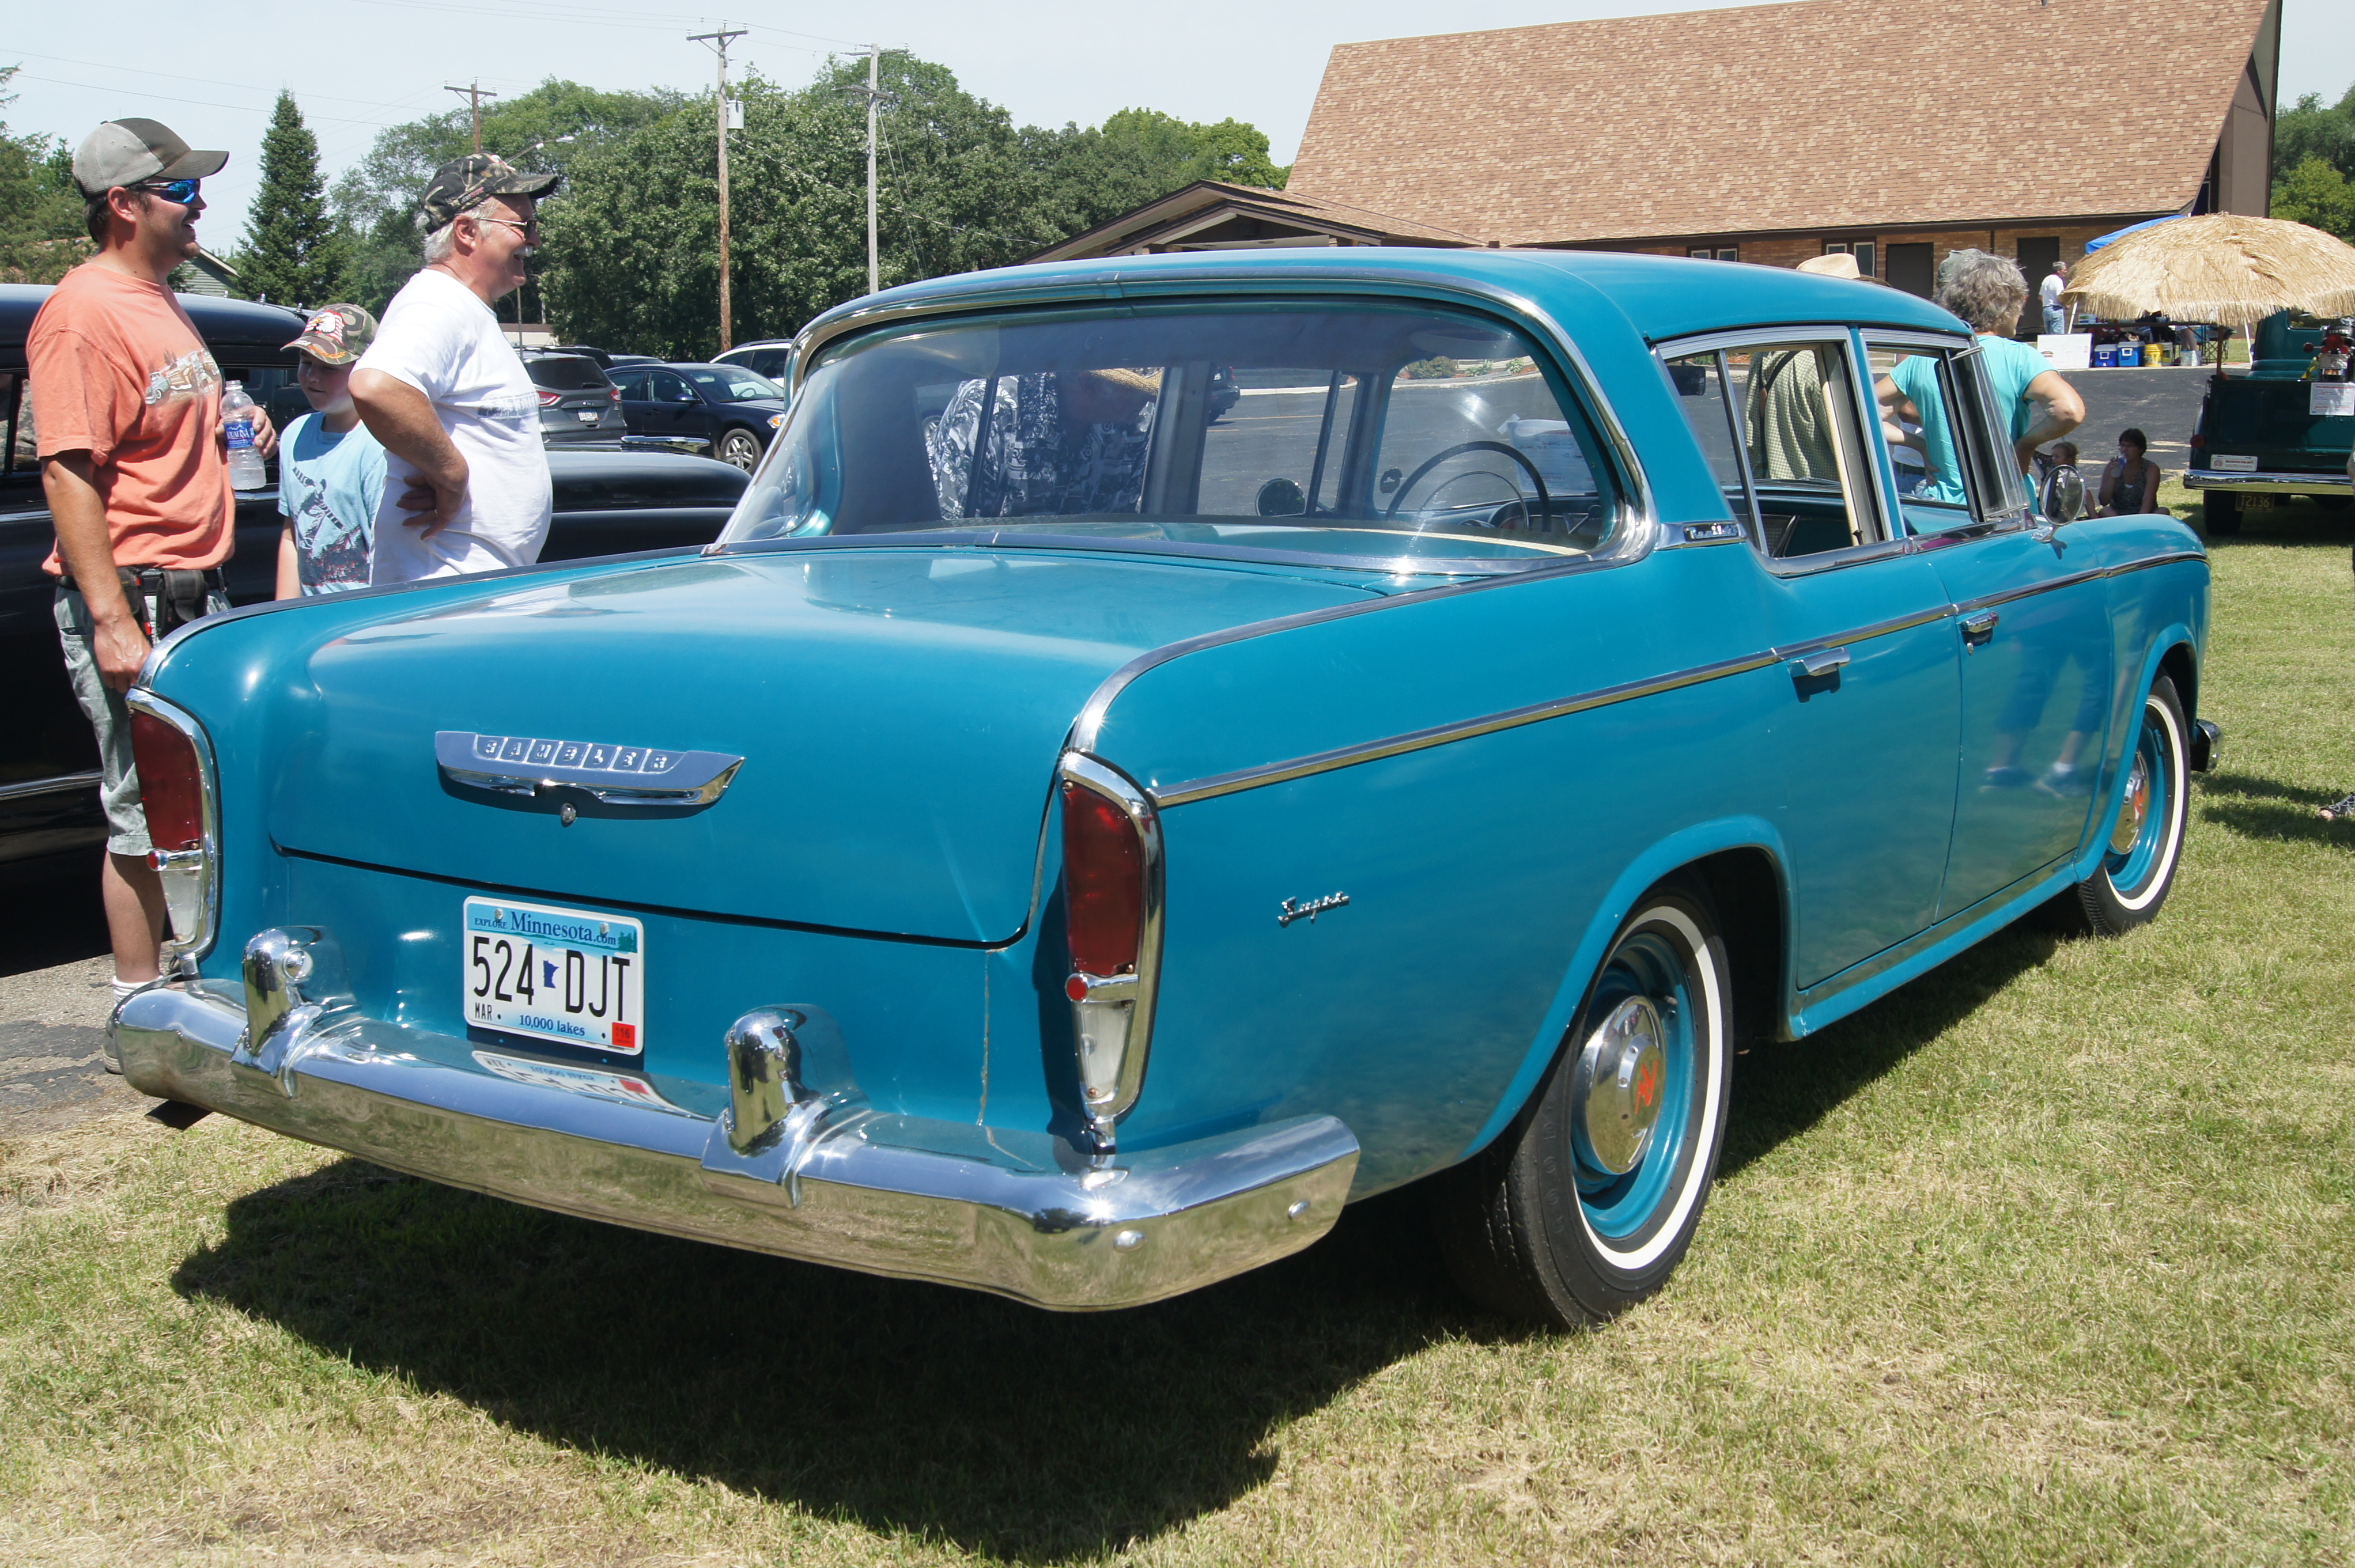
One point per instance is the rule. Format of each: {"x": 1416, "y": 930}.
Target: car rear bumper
{"x": 2332, "y": 483}
{"x": 1020, "y": 1214}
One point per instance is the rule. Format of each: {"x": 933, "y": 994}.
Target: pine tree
{"x": 295, "y": 250}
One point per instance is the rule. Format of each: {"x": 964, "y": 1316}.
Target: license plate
{"x": 588, "y": 416}
{"x": 555, "y": 974}
{"x": 2256, "y": 500}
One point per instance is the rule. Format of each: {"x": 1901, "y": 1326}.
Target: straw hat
{"x": 2224, "y": 269}
{"x": 1839, "y": 264}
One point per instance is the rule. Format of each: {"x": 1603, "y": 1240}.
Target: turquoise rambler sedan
{"x": 1167, "y": 746}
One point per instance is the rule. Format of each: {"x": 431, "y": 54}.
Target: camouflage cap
{"x": 462, "y": 182}
{"x": 337, "y": 334}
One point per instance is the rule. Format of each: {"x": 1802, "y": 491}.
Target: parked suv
{"x": 576, "y": 402}
{"x": 768, "y": 357}
{"x": 731, "y": 408}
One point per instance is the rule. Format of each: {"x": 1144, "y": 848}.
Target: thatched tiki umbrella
{"x": 2223, "y": 269}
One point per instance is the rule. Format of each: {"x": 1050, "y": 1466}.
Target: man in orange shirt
{"x": 134, "y": 460}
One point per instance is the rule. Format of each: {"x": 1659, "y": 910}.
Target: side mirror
{"x": 2064, "y": 494}
{"x": 1283, "y": 498}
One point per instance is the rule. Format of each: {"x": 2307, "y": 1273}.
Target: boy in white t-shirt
{"x": 448, "y": 397}
{"x": 330, "y": 470}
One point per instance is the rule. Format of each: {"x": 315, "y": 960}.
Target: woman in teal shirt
{"x": 1987, "y": 291}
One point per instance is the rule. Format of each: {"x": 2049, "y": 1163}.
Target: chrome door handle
{"x": 1819, "y": 663}
{"x": 1977, "y": 629}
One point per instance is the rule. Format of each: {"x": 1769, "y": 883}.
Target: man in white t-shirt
{"x": 2056, "y": 319}
{"x": 467, "y": 488}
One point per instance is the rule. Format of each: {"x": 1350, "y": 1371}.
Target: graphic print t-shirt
{"x": 439, "y": 337}
{"x": 119, "y": 372}
{"x": 329, "y": 485}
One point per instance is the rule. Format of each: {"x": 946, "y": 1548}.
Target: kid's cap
{"x": 337, "y": 334}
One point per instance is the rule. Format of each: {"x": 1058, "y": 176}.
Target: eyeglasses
{"x": 528, "y": 230}
{"x": 180, "y": 191}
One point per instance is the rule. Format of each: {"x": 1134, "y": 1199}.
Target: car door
{"x": 632, "y": 380}
{"x": 1863, "y": 744}
{"x": 2031, "y": 629}
{"x": 673, "y": 410}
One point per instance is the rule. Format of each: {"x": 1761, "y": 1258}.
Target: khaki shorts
{"x": 109, "y": 720}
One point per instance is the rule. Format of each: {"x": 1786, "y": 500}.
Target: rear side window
{"x": 565, "y": 373}
{"x": 1781, "y": 425}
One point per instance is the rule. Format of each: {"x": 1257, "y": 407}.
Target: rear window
{"x": 565, "y": 373}
{"x": 1343, "y": 432}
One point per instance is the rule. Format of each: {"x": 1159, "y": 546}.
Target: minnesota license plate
{"x": 555, "y": 974}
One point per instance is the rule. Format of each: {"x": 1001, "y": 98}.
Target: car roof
{"x": 244, "y": 325}
{"x": 1659, "y": 297}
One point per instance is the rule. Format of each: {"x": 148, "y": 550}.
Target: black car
{"x": 577, "y": 403}
{"x": 607, "y": 503}
{"x": 736, "y": 409}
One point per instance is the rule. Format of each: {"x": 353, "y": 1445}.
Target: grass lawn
{"x": 2044, "y": 1260}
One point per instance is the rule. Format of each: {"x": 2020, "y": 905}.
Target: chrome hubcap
{"x": 2137, "y": 810}
{"x": 1621, "y": 1080}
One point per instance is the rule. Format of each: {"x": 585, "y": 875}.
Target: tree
{"x": 295, "y": 251}
{"x": 2308, "y": 129}
{"x": 1140, "y": 155}
{"x": 2316, "y": 194}
{"x": 41, "y": 234}
{"x": 548, "y": 127}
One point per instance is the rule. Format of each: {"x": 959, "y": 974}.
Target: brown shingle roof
{"x": 1820, "y": 114}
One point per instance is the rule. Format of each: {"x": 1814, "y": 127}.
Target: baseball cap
{"x": 462, "y": 182}
{"x": 126, "y": 152}
{"x": 337, "y": 334}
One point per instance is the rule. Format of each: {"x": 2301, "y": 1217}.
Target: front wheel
{"x": 742, "y": 447}
{"x": 2145, "y": 845}
{"x": 1586, "y": 1205}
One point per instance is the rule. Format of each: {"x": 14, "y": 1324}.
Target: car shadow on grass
{"x": 1781, "y": 1088}
{"x": 942, "y": 1412}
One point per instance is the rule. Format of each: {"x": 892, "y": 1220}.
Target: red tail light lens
{"x": 617, "y": 391}
{"x": 550, "y": 399}
{"x": 2197, "y": 441}
{"x": 171, "y": 783}
{"x": 1104, "y": 883}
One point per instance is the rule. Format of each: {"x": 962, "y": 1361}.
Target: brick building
{"x": 1897, "y": 129}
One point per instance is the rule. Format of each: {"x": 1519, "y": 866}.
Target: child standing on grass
{"x": 330, "y": 470}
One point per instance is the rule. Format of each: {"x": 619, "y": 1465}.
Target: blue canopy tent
{"x": 2115, "y": 234}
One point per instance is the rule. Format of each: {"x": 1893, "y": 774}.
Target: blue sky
{"x": 212, "y": 73}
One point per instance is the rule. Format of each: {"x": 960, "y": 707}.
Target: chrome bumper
{"x": 1018, "y": 1213}
{"x": 2333, "y": 481}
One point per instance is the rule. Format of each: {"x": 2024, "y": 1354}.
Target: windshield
{"x": 729, "y": 385}
{"x": 1341, "y": 430}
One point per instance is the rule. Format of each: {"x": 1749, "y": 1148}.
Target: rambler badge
{"x": 1308, "y": 908}
{"x": 613, "y": 773}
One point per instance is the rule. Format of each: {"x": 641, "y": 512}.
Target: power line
{"x": 719, "y": 42}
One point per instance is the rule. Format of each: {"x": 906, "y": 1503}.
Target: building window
{"x": 1862, "y": 249}
{"x": 1715, "y": 253}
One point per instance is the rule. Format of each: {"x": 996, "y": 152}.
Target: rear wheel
{"x": 2219, "y": 512}
{"x": 742, "y": 447}
{"x": 1586, "y": 1205}
{"x": 2147, "y": 844}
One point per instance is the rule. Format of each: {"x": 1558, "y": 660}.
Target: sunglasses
{"x": 180, "y": 191}
{"x": 528, "y": 230}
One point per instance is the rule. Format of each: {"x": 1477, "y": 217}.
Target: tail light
{"x": 1111, "y": 905}
{"x": 550, "y": 399}
{"x": 617, "y": 391}
{"x": 2198, "y": 441}
{"x": 175, "y": 763}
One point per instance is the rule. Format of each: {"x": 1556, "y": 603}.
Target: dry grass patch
{"x": 2041, "y": 1260}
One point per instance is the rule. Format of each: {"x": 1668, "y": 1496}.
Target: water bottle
{"x": 244, "y": 462}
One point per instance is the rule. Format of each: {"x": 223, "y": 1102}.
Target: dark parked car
{"x": 772, "y": 357}
{"x": 577, "y": 403}
{"x": 736, "y": 409}
{"x": 2273, "y": 435}
{"x": 606, "y": 503}
{"x": 606, "y": 358}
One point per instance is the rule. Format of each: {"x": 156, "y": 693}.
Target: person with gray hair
{"x": 1987, "y": 291}
{"x": 446, "y": 395}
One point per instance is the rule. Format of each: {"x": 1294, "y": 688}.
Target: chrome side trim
{"x": 1018, "y": 1214}
{"x": 2049, "y": 585}
{"x": 2336, "y": 482}
{"x": 52, "y": 786}
{"x": 637, "y": 776}
{"x": 191, "y": 877}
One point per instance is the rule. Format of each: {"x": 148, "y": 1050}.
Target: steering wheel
{"x": 1545, "y": 502}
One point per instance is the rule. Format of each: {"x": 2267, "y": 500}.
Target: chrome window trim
{"x": 1102, "y": 778}
{"x": 56, "y": 784}
{"x": 1720, "y": 338}
{"x": 1208, "y": 787}
{"x": 181, "y": 953}
{"x": 1637, "y": 507}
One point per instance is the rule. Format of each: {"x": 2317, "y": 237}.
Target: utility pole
{"x": 876, "y": 99}
{"x": 474, "y": 96}
{"x": 719, "y": 42}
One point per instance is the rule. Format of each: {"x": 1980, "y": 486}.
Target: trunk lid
{"x": 899, "y": 712}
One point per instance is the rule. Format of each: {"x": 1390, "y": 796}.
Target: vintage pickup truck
{"x": 2272, "y": 433}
